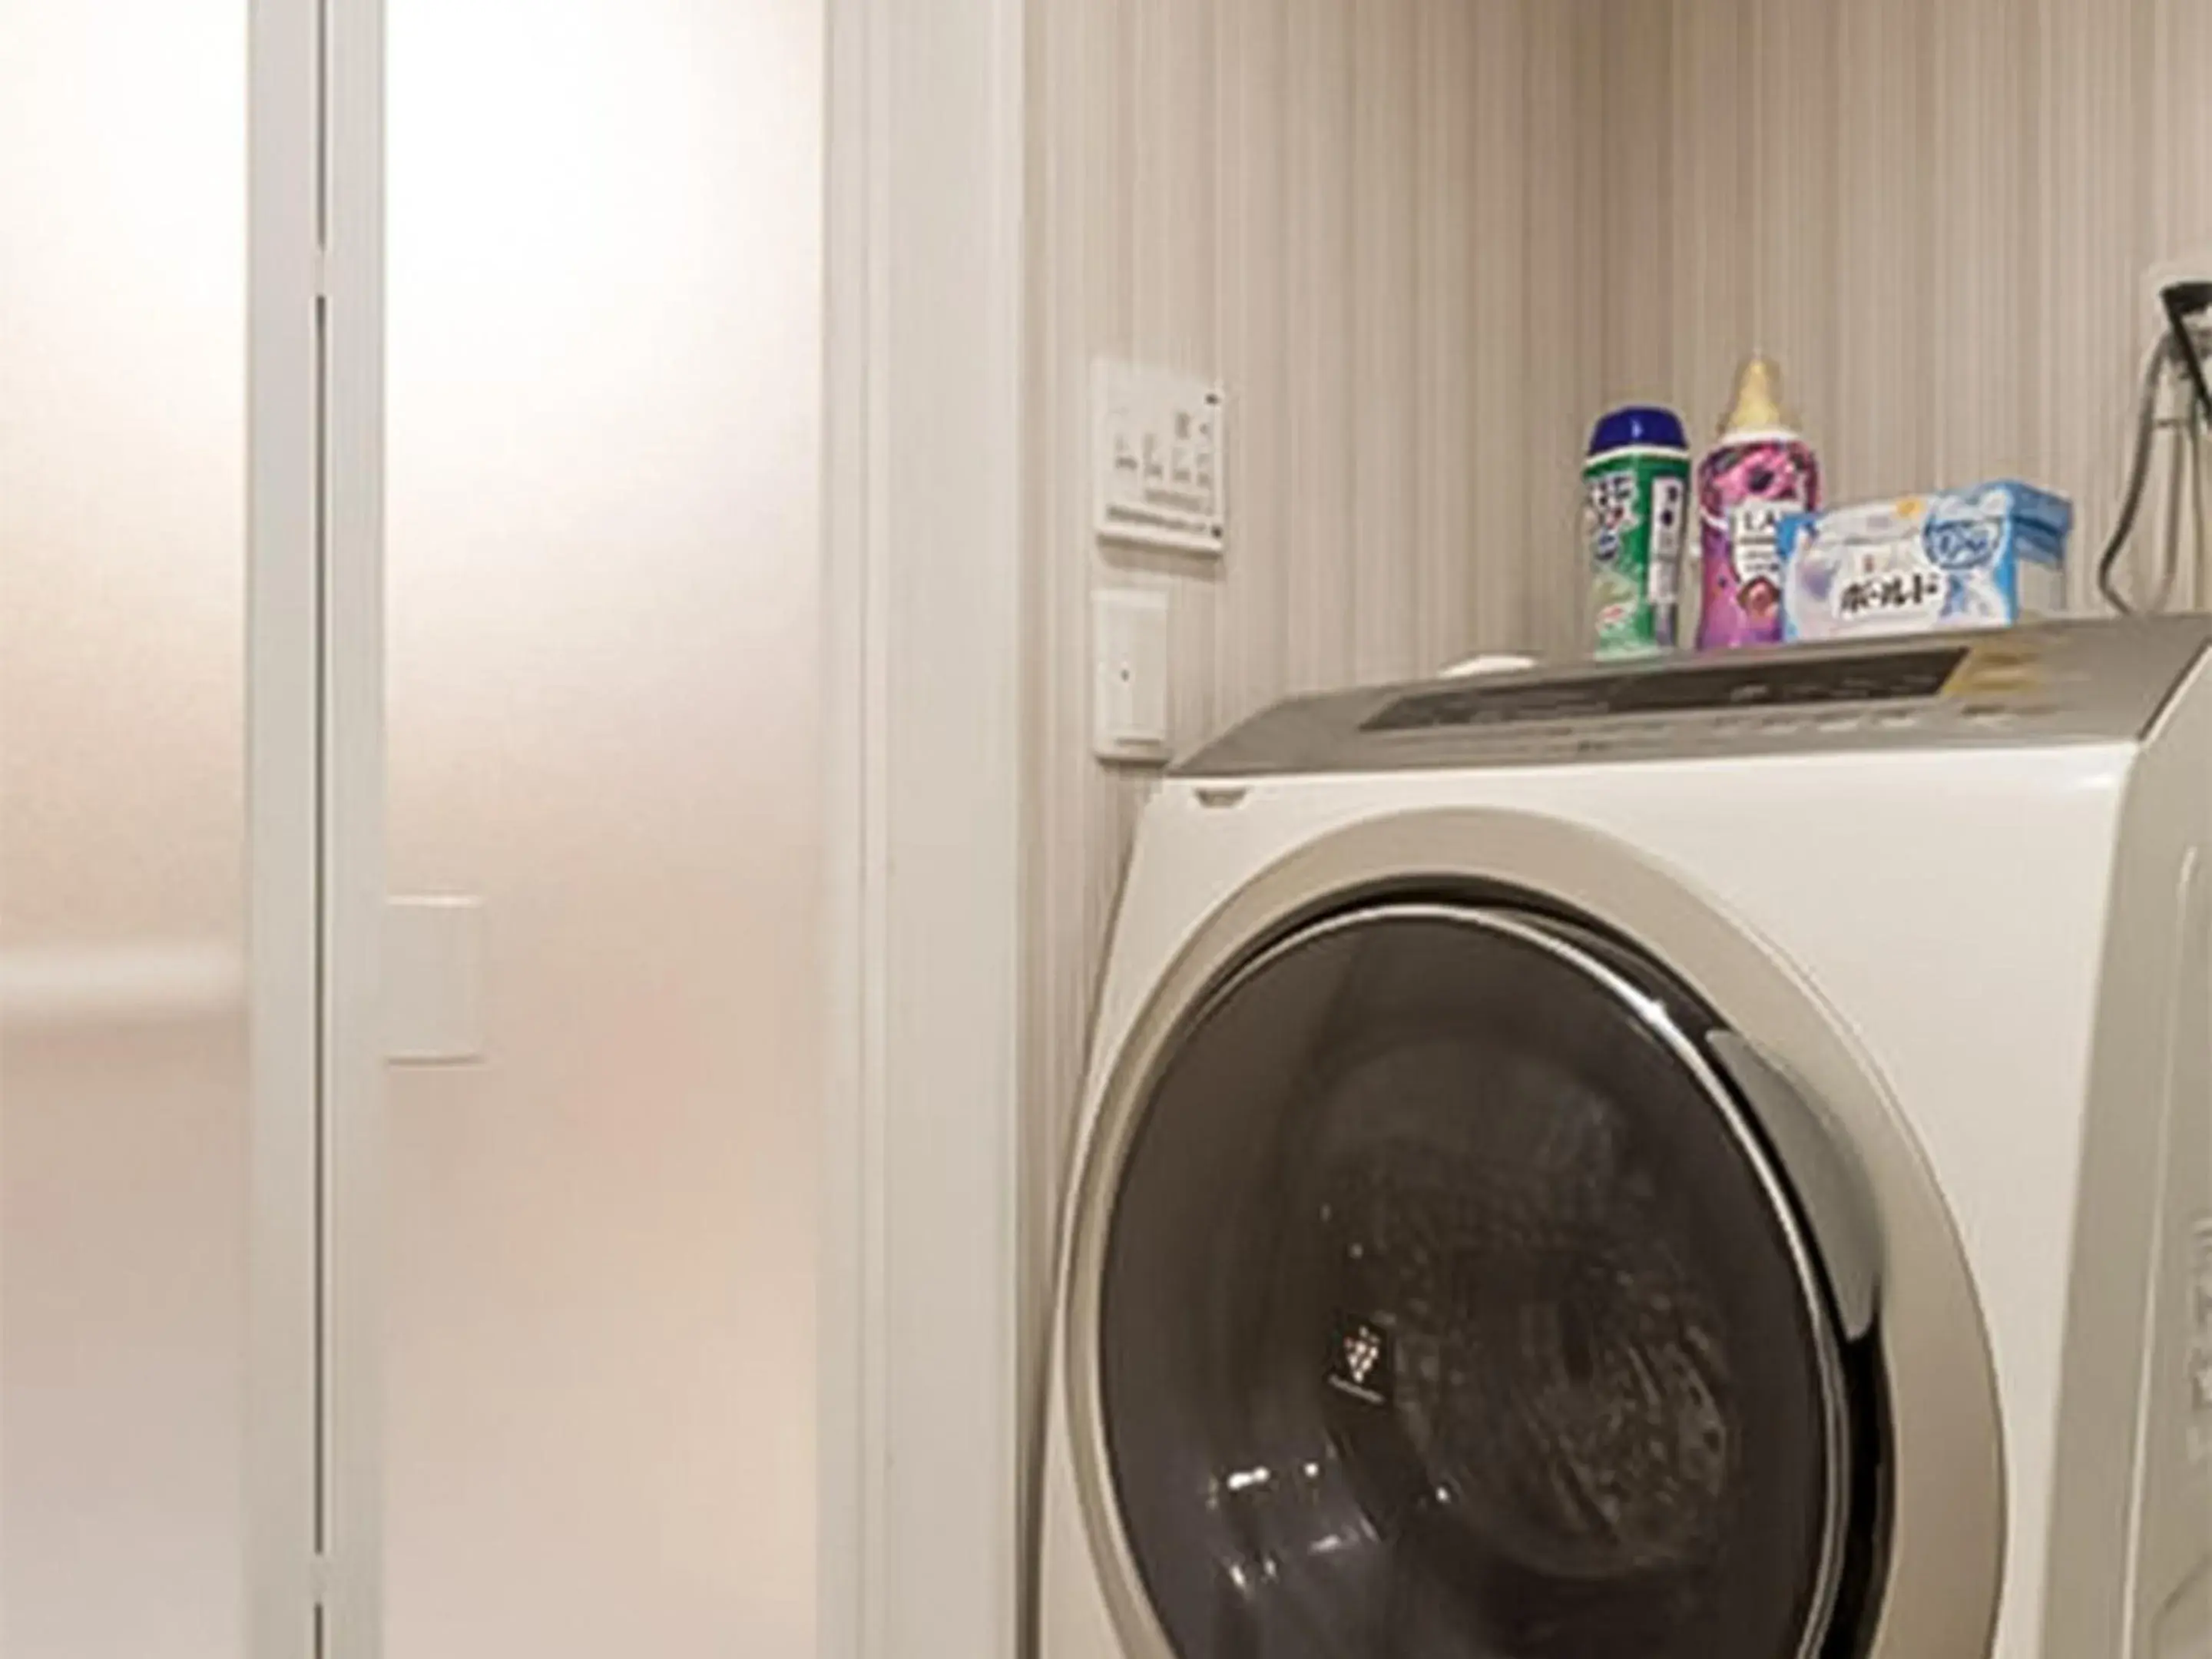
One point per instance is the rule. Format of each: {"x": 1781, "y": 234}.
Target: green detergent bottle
{"x": 1636, "y": 487}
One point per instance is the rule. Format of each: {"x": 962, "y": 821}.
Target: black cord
{"x": 2169, "y": 541}
{"x": 2197, "y": 443}
{"x": 2138, "y": 475}
{"x": 2183, "y": 301}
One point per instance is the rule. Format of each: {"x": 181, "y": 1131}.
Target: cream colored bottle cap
{"x": 1758, "y": 402}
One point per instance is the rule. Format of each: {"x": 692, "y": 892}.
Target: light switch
{"x": 1160, "y": 442}
{"x": 434, "y": 975}
{"x": 1129, "y": 675}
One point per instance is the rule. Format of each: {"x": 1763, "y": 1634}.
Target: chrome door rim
{"x": 1645, "y": 1012}
{"x": 1934, "y": 1602}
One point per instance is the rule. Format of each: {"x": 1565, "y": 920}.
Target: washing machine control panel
{"x": 1777, "y": 688}
{"x": 2067, "y": 682}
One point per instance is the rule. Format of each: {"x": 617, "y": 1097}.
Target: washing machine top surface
{"x": 2090, "y": 681}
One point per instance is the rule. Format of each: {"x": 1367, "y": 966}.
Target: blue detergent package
{"x": 1985, "y": 557}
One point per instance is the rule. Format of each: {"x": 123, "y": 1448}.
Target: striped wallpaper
{"x": 1936, "y": 216}
{"x": 1423, "y": 240}
{"x": 1376, "y": 222}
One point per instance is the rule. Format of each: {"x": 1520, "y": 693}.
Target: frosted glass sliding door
{"x": 605, "y": 695}
{"x": 123, "y": 1119}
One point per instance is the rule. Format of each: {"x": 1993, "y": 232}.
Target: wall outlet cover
{"x": 1129, "y": 675}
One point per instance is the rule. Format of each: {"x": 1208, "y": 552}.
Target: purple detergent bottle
{"x": 1760, "y": 473}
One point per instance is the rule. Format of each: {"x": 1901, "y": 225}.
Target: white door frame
{"x": 315, "y": 703}
{"x": 922, "y": 582}
{"x": 923, "y": 579}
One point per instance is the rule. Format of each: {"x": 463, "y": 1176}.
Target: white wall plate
{"x": 1129, "y": 675}
{"x": 1159, "y": 445}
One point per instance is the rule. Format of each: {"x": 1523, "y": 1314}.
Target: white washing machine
{"x": 1699, "y": 1161}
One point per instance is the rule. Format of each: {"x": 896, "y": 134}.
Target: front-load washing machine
{"x": 1705, "y": 1160}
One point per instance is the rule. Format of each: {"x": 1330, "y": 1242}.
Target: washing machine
{"x": 1703, "y": 1160}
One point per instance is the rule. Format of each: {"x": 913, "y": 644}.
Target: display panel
{"x": 1907, "y": 676}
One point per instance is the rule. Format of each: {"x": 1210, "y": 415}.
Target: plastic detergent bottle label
{"x": 1755, "y": 540}
{"x": 1635, "y": 494}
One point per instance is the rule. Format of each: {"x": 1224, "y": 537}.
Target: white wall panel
{"x": 1709, "y": 171}
{"x": 1384, "y": 335}
{"x": 1448, "y": 321}
{"x": 1632, "y": 199}
{"x": 1560, "y": 305}
{"x": 1320, "y": 540}
{"x": 1504, "y": 355}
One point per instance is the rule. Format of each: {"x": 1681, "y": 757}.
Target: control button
{"x": 1897, "y": 721}
{"x": 1842, "y": 723}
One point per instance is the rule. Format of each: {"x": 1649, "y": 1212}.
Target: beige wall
{"x": 1936, "y": 216}
{"x": 605, "y": 691}
{"x": 1424, "y": 241}
{"x": 1368, "y": 217}
{"x": 123, "y": 1108}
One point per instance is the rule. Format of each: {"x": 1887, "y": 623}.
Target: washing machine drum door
{"x": 1451, "y": 1305}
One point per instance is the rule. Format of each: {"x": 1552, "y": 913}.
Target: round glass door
{"x": 1450, "y": 1307}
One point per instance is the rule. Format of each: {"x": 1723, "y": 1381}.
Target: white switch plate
{"x": 1159, "y": 442}
{"x": 433, "y": 981}
{"x": 1129, "y": 675}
